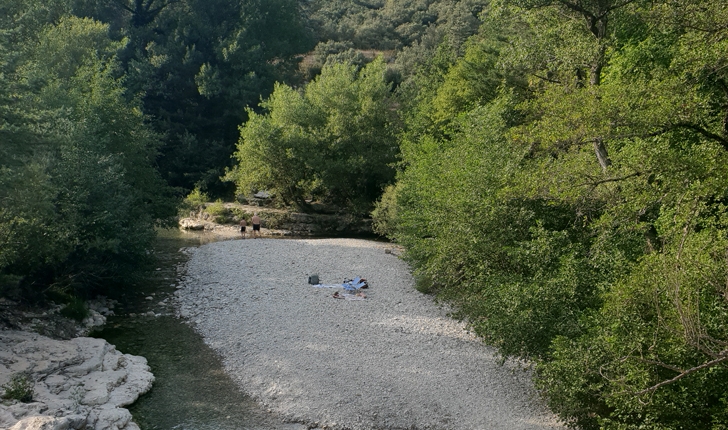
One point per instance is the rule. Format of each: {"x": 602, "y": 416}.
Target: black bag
{"x": 313, "y": 280}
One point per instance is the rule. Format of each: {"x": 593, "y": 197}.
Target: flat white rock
{"x": 78, "y": 384}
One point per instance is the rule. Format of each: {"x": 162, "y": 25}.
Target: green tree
{"x": 392, "y": 24}
{"x": 197, "y": 65}
{"x": 332, "y": 141}
{"x": 80, "y": 196}
{"x": 606, "y": 269}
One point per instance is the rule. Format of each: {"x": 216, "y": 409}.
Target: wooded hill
{"x": 555, "y": 168}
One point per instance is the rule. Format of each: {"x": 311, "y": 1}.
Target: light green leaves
{"x": 587, "y": 227}
{"x": 332, "y": 141}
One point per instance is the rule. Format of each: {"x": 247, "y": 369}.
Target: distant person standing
{"x": 256, "y": 225}
{"x": 243, "y": 225}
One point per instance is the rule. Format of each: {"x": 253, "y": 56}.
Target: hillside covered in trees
{"x": 556, "y": 169}
{"x": 112, "y": 110}
{"x": 563, "y": 181}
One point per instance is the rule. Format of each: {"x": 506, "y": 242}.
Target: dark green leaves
{"x": 564, "y": 184}
{"x": 80, "y": 196}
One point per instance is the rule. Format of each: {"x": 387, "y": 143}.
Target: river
{"x": 191, "y": 390}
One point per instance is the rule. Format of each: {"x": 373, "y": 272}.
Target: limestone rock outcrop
{"x": 191, "y": 224}
{"x": 82, "y": 383}
{"x": 277, "y": 222}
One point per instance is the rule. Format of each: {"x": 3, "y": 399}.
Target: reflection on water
{"x": 191, "y": 391}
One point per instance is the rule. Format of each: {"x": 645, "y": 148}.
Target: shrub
{"x": 219, "y": 212}
{"x": 424, "y": 284}
{"x": 19, "y": 388}
{"x": 195, "y": 200}
{"x": 75, "y": 309}
{"x": 385, "y": 212}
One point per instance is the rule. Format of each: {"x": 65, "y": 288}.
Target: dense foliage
{"x": 334, "y": 141}
{"x": 106, "y": 104}
{"x": 80, "y": 197}
{"x": 196, "y": 65}
{"x": 564, "y": 182}
{"x": 392, "y": 24}
{"x": 407, "y": 32}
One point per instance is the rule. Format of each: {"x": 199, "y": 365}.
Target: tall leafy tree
{"x": 197, "y": 64}
{"x": 596, "y": 222}
{"x": 334, "y": 140}
{"x": 80, "y": 196}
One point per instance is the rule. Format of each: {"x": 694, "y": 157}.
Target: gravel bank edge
{"x": 394, "y": 360}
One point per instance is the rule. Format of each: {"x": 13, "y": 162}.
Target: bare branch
{"x": 607, "y": 180}
{"x": 553, "y": 81}
{"x": 670, "y": 127}
{"x": 710, "y": 135}
{"x": 685, "y": 373}
{"x": 659, "y": 363}
{"x": 577, "y": 8}
{"x": 124, "y": 6}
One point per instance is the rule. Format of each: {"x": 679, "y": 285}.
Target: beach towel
{"x": 348, "y": 284}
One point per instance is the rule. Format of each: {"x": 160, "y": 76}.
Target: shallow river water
{"x": 191, "y": 390}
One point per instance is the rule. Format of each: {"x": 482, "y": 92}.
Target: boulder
{"x": 191, "y": 224}
{"x": 79, "y": 383}
{"x": 51, "y": 423}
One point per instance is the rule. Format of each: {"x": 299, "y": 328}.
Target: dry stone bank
{"x": 277, "y": 222}
{"x": 82, "y": 383}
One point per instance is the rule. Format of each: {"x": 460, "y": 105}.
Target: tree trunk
{"x": 602, "y": 154}
{"x": 599, "y": 29}
{"x": 596, "y": 68}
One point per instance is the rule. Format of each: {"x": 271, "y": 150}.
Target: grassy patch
{"x": 19, "y": 388}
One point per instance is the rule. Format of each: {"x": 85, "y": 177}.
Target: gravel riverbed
{"x": 393, "y": 360}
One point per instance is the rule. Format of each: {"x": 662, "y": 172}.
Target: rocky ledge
{"x": 225, "y": 217}
{"x": 82, "y": 383}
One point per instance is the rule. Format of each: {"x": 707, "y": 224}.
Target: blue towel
{"x": 348, "y": 285}
{"x": 354, "y": 285}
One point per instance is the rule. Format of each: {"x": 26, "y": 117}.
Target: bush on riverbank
{"x": 572, "y": 204}
{"x": 20, "y": 388}
{"x": 333, "y": 141}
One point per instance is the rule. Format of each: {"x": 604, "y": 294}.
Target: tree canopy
{"x": 564, "y": 184}
{"x": 112, "y": 110}
{"x": 80, "y": 196}
{"x": 196, "y": 66}
{"x": 333, "y": 141}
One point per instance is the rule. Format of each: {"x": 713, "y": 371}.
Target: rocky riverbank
{"x": 79, "y": 383}
{"x": 390, "y": 360}
{"x": 223, "y": 219}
